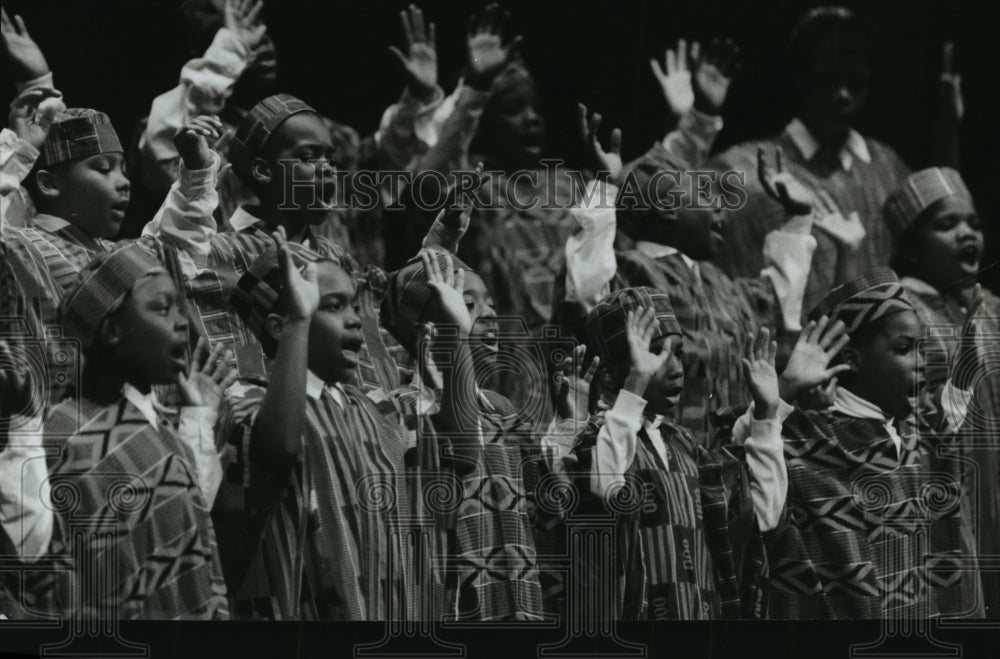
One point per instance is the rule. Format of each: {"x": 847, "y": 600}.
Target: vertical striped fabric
{"x": 331, "y": 546}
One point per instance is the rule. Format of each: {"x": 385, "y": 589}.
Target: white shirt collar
{"x": 49, "y": 223}
{"x": 658, "y": 251}
{"x": 808, "y": 145}
{"x": 241, "y": 219}
{"x": 315, "y": 386}
{"x": 142, "y": 402}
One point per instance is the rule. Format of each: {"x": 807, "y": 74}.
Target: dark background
{"x": 117, "y": 55}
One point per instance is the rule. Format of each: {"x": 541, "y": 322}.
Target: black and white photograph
{"x": 444, "y": 329}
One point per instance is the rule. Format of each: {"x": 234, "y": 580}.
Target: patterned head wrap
{"x": 258, "y": 126}
{"x": 101, "y": 288}
{"x": 858, "y": 303}
{"x": 258, "y": 292}
{"x": 919, "y": 192}
{"x": 78, "y": 133}
{"x": 605, "y": 324}
{"x": 407, "y": 293}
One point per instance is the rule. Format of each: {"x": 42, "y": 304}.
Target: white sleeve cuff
{"x": 616, "y": 443}
{"x": 789, "y": 258}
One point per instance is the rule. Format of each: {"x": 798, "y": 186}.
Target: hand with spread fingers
{"x": 487, "y": 53}
{"x": 208, "y": 376}
{"x": 25, "y": 57}
{"x": 301, "y": 287}
{"x": 573, "y": 397}
{"x": 762, "y": 379}
{"x": 243, "y": 17}
{"x": 605, "y": 163}
{"x": 809, "y": 364}
{"x": 447, "y": 302}
{"x": 640, "y": 328}
{"x": 675, "y": 81}
{"x": 420, "y": 62}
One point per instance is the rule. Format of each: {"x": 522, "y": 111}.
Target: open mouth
{"x": 351, "y": 349}
{"x": 969, "y": 255}
{"x": 178, "y": 356}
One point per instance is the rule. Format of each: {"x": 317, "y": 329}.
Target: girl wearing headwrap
{"x": 939, "y": 245}
{"x": 871, "y": 522}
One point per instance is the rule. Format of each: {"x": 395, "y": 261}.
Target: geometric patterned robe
{"x": 866, "y": 533}
{"x": 130, "y": 511}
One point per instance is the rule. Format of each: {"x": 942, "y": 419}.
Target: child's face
{"x": 301, "y": 157}
{"x": 93, "y": 193}
{"x": 663, "y": 392}
{"x": 485, "y": 346}
{"x": 152, "y": 329}
{"x": 515, "y": 128}
{"x": 700, "y": 232}
{"x": 890, "y": 369}
{"x": 949, "y": 243}
{"x": 335, "y": 331}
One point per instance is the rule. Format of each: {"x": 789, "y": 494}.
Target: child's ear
{"x": 273, "y": 325}
{"x": 110, "y": 332}
{"x": 852, "y": 358}
{"x": 47, "y": 184}
{"x": 260, "y": 170}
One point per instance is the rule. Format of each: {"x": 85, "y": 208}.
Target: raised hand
{"x": 300, "y": 287}
{"x": 573, "y": 397}
{"x": 243, "y": 18}
{"x": 818, "y": 398}
{"x": 951, "y": 85}
{"x": 429, "y": 370}
{"x": 712, "y": 72}
{"x": 420, "y": 61}
{"x": 782, "y": 186}
{"x": 15, "y": 386}
{"x": 448, "y": 302}
{"x": 847, "y": 232}
{"x": 640, "y": 327}
{"x": 209, "y": 375}
{"x": 20, "y": 49}
{"x": 195, "y": 140}
{"x": 676, "y": 80}
{"x": 32, "y": 113}
{"x": 605, "y": 163}
{"x": 487, "y": 53}
{"x": 758, "y": 369}
{"x": 809, "y": 364}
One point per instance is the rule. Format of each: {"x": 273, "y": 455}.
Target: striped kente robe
{"x": 864, "y": 188}
{"x": 132, "y": 518}
{"x": 982, "y": 430}
{"x": 492, "y": 570}
{"x": 329, "y": 546}
{"x": 866, "y": 533}
{"x": 686, "y": 537}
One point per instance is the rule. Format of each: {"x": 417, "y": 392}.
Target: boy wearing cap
{"x": 938, "y": 247}
{"x": 144, "y": 479}
{"x": 870, "y": 524}
{"x": 314, "y": 452}
{"x": 283, "y": 151}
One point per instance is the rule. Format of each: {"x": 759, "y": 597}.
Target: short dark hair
{"x": 821, "y": 24}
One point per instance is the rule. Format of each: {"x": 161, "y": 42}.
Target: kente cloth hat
{"x": 874, "y": 295}
{"x": 407, "y": 293}
{"x": 101, "y": 287}
{"x": 78, "y": 133}
{"x": 258, "y": 126}
{"x": 605, "y": 327}
{"x": 918, "y": 193}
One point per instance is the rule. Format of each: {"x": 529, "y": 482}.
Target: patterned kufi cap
{"x": 605, "y": 324}
{"x": 78, "y": 133}
{"x": 874, "y": 295}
